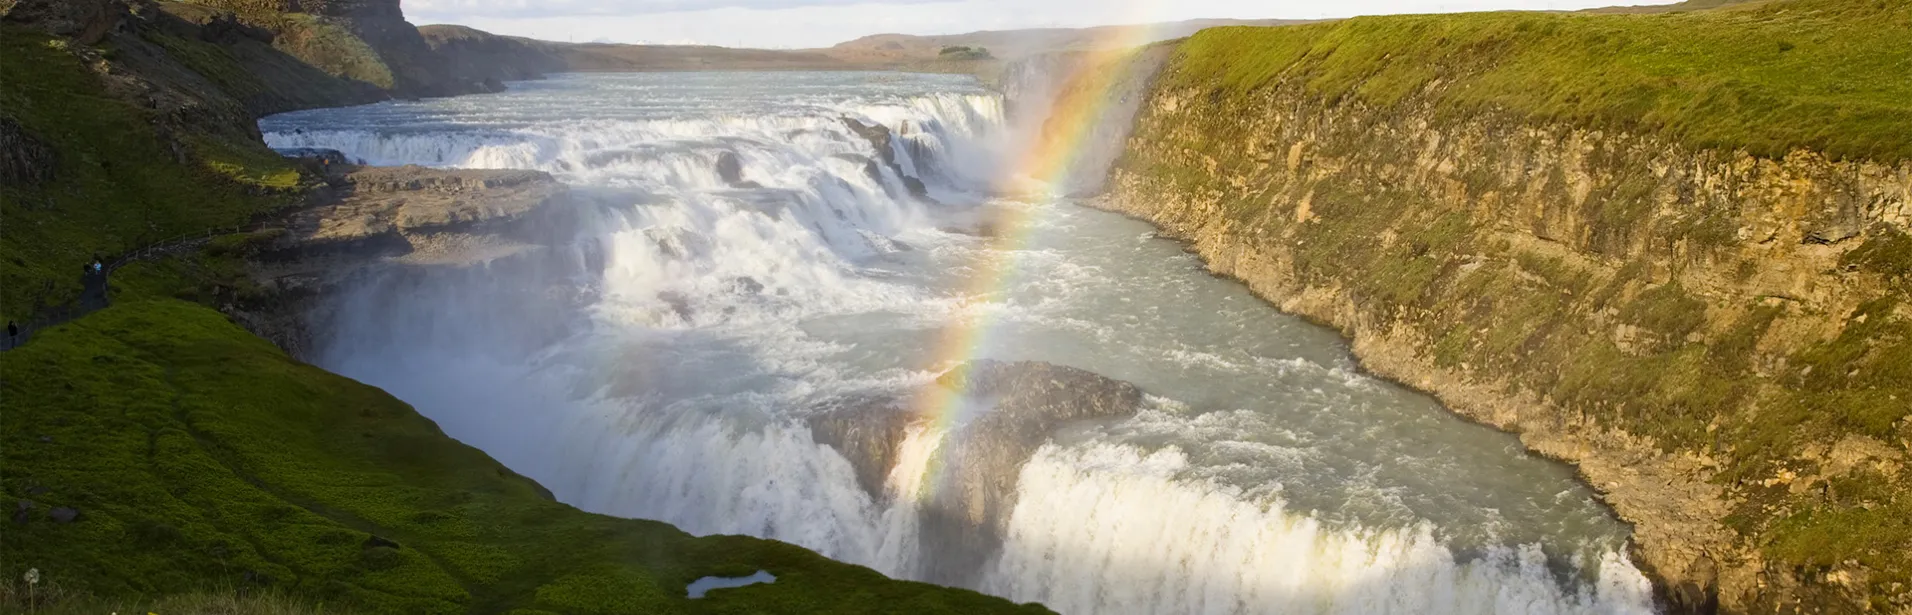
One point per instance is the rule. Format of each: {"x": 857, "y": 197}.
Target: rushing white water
{"x": 662, "y": 363}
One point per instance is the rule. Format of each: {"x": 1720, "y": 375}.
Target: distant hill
{"x": 1013, "y": 44}
{"x": 1688, "y": 5}
{"x": 614, "y": 57}
{"x": 476, "y": 55}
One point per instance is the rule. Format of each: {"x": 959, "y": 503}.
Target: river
{"x": 746, "y": 259}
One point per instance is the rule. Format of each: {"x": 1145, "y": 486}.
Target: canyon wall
{"x": 1721, "y": 342}
{"x": 363, "y": 40}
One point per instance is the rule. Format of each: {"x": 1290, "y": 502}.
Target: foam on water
{"x": 663, "y": 361}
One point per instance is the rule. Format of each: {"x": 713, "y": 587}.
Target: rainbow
{"x": 1079, "y": 105}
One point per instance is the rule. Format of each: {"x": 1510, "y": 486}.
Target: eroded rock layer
{"x": 1721, "y": 342}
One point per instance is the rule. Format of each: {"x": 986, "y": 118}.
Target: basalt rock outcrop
{"x": 419, "y": 213}
{"x": 966, "y": 508}
{"x": 376, "y": 218}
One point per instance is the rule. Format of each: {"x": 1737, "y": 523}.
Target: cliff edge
{"x": 1674, "y": 250}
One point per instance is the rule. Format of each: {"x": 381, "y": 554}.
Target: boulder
{"x": 65, "y": 515}
{"x": 980, "y": 464}
{"x": 867, "y": 432}
{"x": 967, "y": 510}
{"x": 23, "y": 512}
{"x": 729, "y": 168}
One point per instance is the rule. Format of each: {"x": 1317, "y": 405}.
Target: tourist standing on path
{"x": 93, "y": 291}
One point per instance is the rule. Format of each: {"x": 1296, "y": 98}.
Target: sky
{"x": 783, "y": 24}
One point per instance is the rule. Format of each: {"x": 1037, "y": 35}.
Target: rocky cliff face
{"x": 364, "y": 40}
{"x": 1721, "y": 343}
{"x": 372, "y": 218}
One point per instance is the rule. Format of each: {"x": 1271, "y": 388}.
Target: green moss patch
{"x": 1826, "y": 75}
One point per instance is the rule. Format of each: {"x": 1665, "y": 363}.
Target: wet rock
{"x": 730, "y": 169}
{"x": 679, "y": 304}
{"x": 65, "y": 515}
{"x": 747, "y": 286}
{"x": 967, "y": 515}
{"x": 880, "y": 138}
{"x": 964, "y": 517}
{"x": 985, "y": 230}
{"x": 867, "y": 432}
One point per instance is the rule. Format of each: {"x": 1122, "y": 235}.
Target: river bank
{"x": 1710, "y": 336}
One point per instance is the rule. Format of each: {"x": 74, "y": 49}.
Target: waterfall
{"x": 747, "y": 259}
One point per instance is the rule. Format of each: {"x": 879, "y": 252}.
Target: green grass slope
{"x": 205, "y": 464}
{"x": 201, "y": 457}
{"x": 118, "y": 183}
{"x": 1827, "y": 75}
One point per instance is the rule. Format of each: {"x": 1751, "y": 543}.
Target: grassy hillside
{"x": 157, "y": 456}
{"x": 1827, "y": 75}
{"x": 201, "y": 457}
{"x": 322, "y": 41}
{"x": 118, "y": 180}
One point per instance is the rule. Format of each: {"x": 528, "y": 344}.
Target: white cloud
{"x": 820, "y": 23}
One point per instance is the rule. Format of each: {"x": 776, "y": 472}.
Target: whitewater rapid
{"x": 662, "y": 360}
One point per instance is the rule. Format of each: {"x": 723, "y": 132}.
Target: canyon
{"x": 1708, "y": 316}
